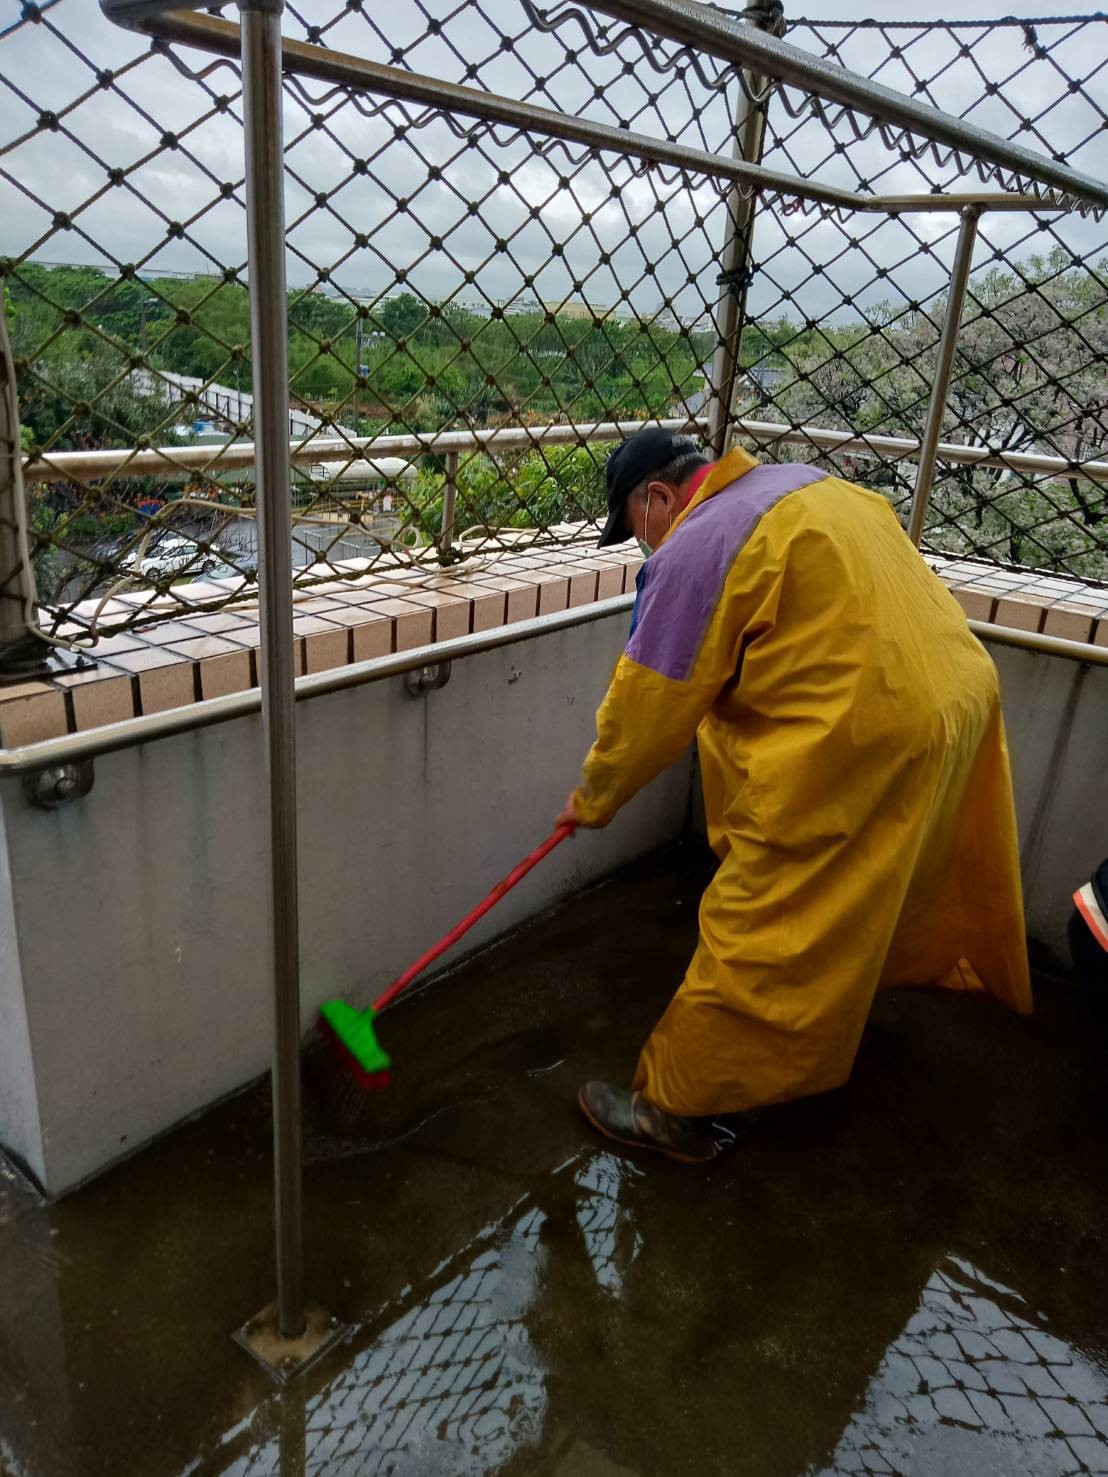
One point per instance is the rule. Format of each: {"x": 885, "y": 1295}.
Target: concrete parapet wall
{"x": 133, "y": 941}
{"x": 136, "y": 980}
{"x": 1056, "y": 713}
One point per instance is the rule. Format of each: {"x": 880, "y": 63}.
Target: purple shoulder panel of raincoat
{"x": 679, "y": 586}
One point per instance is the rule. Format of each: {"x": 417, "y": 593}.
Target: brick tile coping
{"x": 194, "y": 655}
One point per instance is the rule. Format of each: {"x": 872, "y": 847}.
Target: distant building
{"x": 759, "y": 382}
{"x": 572, "y": 308}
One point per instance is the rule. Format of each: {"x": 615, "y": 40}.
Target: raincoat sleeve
{"x": 685, "y": 647}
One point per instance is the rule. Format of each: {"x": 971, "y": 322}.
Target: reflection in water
{"x": 450, "y": 1389}
{"x": 610, "y": 1239}
{"x": 453, "y": 1387}
{"x": 975, "y": 1386}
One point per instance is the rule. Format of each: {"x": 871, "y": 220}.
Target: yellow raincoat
{"x": 855, "y": 776}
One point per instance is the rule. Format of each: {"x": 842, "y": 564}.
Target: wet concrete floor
{"x": 906, "y": 1276}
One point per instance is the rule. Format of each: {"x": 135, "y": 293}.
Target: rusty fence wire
{"x": 488, "y": 308}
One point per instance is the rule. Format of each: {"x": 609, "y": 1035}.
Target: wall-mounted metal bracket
{"x": 57, "y": 785}
{"x": 422, "y": 680}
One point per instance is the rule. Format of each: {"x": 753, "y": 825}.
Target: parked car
{"x": 172, "y": 554}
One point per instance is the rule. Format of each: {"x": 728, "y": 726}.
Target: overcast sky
{"x": 49, "y": 172}
{"x": 953, "y": 11}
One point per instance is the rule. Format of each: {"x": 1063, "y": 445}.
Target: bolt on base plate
{"x": 283, "y": 1358}
{"x": 32, "y": 659}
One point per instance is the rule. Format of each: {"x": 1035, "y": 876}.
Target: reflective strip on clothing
{"x": 1085, "y": 900}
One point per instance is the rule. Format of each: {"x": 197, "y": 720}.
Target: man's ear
{"x": 664, "y": 492}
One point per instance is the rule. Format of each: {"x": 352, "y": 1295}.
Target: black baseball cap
{"x": 633, "y": 460}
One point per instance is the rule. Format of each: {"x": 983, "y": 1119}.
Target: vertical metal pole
{"x": 948, "y": 342}
{"x": 22, "y": 652}
{"x": 750, "y": 128}
{"x": 357, "y": 372}
{"x": 265, "y": 218}
{"x": 13, "y": 620}
{"x": 449, "y": 499}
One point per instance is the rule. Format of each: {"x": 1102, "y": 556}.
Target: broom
{"x": 352, "y": 1035}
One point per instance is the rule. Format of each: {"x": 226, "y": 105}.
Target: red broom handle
{"x": 517, "y": 874}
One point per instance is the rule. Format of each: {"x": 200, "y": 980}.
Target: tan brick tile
{"x": 372, "y": 636}
{"x": 488, "y": 609}
{"x": 202, "y": 646}
{"x": 523, "y": 602}
{"x": 310, "y": 625}
{"x": 220, "y": 675}
{"x": 318, "y": 605}
{"x": 166, "y": 633}
{"x": 100, "y": 697}
{"x": 171, "y": 685}
{"x": 326, "y": 649}
{"x": 977, "y": 604}
{"x": 609, "y": 582}
{"x": 1019, "y": 612}
{"x": 1071, "y": 622}
{"x": 115, "y": 645}
{"x": 452, "y": 612}
{"x": 31, "y": 712}
{"x": 218, "y": 621}
{"x": 553, "y": 595}
{"x": 146, "y": 658}
{"x": 582, "y": 584}
{"x": 413, "y": 624}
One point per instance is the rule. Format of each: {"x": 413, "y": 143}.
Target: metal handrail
{"x": 712, "y": 31}
{"x": 904, "y": 448}
{"x": 1075, "y": 651}
{"x": 92, "y": 466}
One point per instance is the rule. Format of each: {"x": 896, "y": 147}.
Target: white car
{"x": 168, "y": 556}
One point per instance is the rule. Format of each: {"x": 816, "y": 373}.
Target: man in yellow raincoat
{"x": 855, "y": 776}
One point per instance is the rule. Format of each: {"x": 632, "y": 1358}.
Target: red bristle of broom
{"x": 367, "y": 1081}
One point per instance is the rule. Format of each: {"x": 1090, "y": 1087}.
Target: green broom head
{"x": 353, "y": 1040}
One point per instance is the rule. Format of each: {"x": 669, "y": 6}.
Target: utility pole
{"x": 357, "y": 369}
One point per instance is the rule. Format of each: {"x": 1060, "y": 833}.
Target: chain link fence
{"x": 974, "y": 1378}
{"x": 490, "y": 309}
{"x": 1030, "y": 371}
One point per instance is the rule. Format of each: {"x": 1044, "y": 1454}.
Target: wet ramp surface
{"x": 905, "y": 1276}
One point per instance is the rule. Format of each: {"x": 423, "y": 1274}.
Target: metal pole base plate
{"x": 34, "y": 659}
{"x": 283, "y": 1358}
